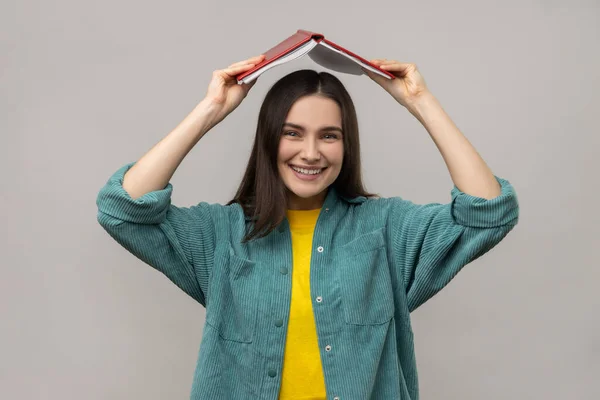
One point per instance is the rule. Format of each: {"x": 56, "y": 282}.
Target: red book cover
{"x": 324, "y": 52}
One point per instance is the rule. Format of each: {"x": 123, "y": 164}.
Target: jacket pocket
{"x": 364, "y": 277}
{"x": 233, "y": 297}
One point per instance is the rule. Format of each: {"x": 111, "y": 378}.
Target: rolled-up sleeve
{"x": 151, "y": 208}
{"x": 477, "y": 212}
{"x": 431, "y": 243}
{"x": 161, "y": 234}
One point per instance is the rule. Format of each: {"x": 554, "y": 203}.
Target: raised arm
{"x": 135, "y": 208}
{"x": 468, "y": 170}
{"x": 154, "y": 170}
{"x": 431, "y": 243}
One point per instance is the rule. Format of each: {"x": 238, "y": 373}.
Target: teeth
{"x": 307, "y": 171}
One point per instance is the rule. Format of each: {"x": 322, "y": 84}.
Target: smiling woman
{"x": 307, "y": 121}
{"x": 308, "y": 280}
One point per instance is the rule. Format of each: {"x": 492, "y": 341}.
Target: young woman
{"x": 308, "y": 280}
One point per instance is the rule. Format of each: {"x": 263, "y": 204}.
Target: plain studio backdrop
{"x": 89, "y": 86}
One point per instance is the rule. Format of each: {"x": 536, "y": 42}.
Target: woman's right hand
{"x": 224, "y": 93}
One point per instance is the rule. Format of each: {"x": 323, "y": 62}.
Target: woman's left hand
{"x": 408, "y": 86}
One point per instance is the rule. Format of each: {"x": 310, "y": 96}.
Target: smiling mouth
{"x": 307, "y": 171}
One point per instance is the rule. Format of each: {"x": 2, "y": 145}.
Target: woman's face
{"x": 311, "y": 151}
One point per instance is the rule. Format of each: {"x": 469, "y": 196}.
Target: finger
{"x": 394, "y": 62}
{"x": 401, "y": 68}
{"x": 368, "y": 73}
{"x": 385, "y": 61}
{"x": 239, "y": 63}
{"x": 373, "y": 76}
{"x": 259, "y": 57}
{"x": 381, "y": 61}
{"x": 248, "y": 86}
{"x": 233, "y": 71}
{"x": 252, "y": 60}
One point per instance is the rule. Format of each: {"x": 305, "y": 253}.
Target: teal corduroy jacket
{"x": 374, "y": 261}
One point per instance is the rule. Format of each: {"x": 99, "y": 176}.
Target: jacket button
{"x": 283, "y": 270}
{"x": 319, "y": 299}
{"x": 328, "y": 348}
{"x": 272, "y": 373}
{"x": 320, "y": 249}
{"x": 279, "y": 323}
{"x": 336, "y": 398}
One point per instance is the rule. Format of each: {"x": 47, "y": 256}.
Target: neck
{"x": 296, "y": 202}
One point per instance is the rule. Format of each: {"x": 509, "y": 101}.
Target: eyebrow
{"x": 324, "y": 129}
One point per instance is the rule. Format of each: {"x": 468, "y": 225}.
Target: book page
{"x": 336, "y": 60}
{"x": 294, "y": 54}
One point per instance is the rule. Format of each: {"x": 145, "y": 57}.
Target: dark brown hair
{"x": 262, "y": 193}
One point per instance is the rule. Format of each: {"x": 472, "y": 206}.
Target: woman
{"x": 308, "y": 280}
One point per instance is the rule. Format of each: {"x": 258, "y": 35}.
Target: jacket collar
{"x": 334, "y": 198}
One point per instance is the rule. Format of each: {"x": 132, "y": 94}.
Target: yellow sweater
{"x": 302, "y": 374}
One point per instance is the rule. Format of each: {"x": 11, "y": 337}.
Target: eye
{"x": 290, "y": 133}
{"x": 331, "y": 136}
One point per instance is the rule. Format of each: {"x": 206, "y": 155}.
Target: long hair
{"x": 262, "y": 193}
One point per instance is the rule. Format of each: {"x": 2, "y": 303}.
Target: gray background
{"x": 88, "y": 86}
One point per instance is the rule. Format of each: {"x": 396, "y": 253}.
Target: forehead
{"x": 315, "y": 111}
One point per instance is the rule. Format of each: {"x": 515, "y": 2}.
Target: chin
{"x": 305, "y": 193}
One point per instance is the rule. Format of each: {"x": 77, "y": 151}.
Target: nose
{"x": 310, "y": 150}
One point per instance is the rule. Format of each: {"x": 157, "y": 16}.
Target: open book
{"x": 322, "y": 51}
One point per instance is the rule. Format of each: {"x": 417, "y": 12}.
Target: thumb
{"x": 379, "y": 79}
{"x": 247, "y": 86}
